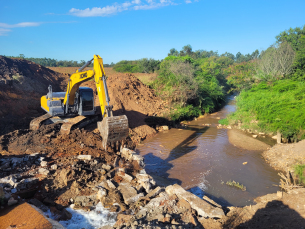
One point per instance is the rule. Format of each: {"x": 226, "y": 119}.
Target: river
{"x": 201, "y": 158}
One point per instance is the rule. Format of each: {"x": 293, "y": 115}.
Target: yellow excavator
{"x": 75, "y": 107}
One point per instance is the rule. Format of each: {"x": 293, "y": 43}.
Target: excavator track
{"x": 36, "y": 123}
{"x": 76, "y": 122}
{"x": 67, "y": 123}
{"x": 113, "y": 129}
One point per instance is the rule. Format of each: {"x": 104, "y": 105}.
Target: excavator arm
{"x": 99, "y": 76}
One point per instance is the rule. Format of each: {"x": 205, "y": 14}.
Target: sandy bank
{"x": 239, "y": 139}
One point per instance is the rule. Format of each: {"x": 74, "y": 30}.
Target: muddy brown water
{"x": 202, "y": 159}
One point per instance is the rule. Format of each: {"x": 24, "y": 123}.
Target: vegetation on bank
{"x": 143, "y": 66}
{"x": 272, "y": 107}
{"x": 299, "y": 173}
{"x": 272, "y": 88}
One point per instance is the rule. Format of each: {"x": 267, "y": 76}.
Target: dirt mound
{"x": 22, "y": 83}
{"x": 131, "y": 97}
{"x": 286, "y": 156}
{"x": 47, "y": 141}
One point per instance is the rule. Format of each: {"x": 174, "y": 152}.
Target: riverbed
{"x": 201, "y": 158}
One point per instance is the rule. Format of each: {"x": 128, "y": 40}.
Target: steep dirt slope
{"x": 22, "y": 83}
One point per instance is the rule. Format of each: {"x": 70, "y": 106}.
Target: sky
{"x": 135, "y": 29}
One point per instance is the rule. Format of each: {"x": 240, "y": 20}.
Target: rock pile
{"x": 122, "y": 186}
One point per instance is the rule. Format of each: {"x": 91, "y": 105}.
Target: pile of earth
{"x": 130, "y": 97}
{"x": 285, "y": 156}
{"x": 22, "y": 83}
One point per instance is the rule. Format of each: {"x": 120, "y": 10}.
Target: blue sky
{"x": 134, "y": 29}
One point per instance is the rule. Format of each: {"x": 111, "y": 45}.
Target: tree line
{"x": 49, "y": 62}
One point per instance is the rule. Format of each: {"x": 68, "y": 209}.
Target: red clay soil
{"x": 22, "y": 83}
{"x": 23, "y": 216}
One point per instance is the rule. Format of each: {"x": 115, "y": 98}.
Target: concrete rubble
{"x": 82, "y": 181}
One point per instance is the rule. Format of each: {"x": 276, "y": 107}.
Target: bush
{"x": 299, "y": 172}
{"x": 272, "y": 107}
{"x": 191, "y": 86}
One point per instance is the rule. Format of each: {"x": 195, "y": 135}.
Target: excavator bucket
{"x": 113, "y": 129}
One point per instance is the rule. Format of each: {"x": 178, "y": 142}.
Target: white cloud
{"x": 4, "y": 32}
{"x": 6, "y": 28}
{"x": 22, "y": 24}
{"x": 188, "y": 1}
{"x": 116, "y": 8}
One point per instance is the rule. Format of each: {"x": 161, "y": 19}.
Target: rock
{"x": 101, "y": 193}
{"x": 5, "y": 166}
{"x": 53, "y": 167}
{"x": 210, "y": 201}
{"x": 122, "y": 219}
{"x": 110, "y": 184}
{"x": 1, "y": 192}
{"x": 13, "y": 190}
{"x": 11, "y": 180}
{"x": 111, "y": 174}
{"x": 127, "y": 153}
{"x": 155, "y": 192}
{"x": 254, "y": 135}
{"x": 165, "y": 127}
{"x": 129, "y": 194}
{"x": 202, "y": 207}
{"x": 48, "y": 201}
{"x": 139, "y": 159}
{"x": 106, "y": 167}
{"x": 65, "y": 215}
{"x": 146, "y": 181}
{"x": 125, "y": 176}
{"x": 43, "y": 164}
{"x": 63, "y": 177}
{"x": 43, "y": 171}
{"x": 26, "y": 183}
{"x": 84, "y": 157}
{"x": 38, "y": 204}
{"x": 12, "y": 201}
{"x": 86, "y": 200}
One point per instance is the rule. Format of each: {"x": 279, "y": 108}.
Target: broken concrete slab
{"x": 129, "y": 194}
{"x": 43, "y": 171}
{"x": 155, "y": 192}
{"x": 84, "y": 157}
{"x": 203, "y": 208}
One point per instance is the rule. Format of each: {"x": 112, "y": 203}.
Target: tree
{"x": 276, "y": 61}
{"x": 173, "y": 52}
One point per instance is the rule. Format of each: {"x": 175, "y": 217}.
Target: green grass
{"x": 278, "y": 106}
{"x": 236, "y": 184}
{"x": 224, "y": 121}
{"x": 299, "y": 172}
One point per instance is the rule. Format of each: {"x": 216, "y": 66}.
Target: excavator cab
{"x": 86, "y": 101}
